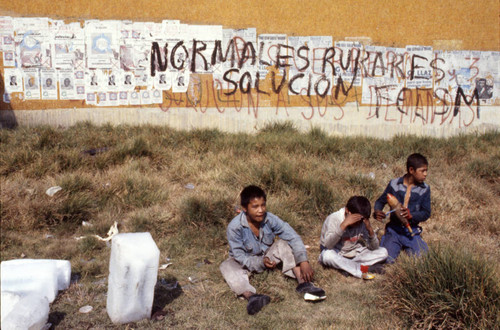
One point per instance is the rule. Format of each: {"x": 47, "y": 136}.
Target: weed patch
{"x": 449, "y": 287}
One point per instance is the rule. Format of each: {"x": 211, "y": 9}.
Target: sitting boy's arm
{"x": 372, "y": 242}
{"x": 251, "y": 262}
{"x": 425, "y": 208}
{"x": 333, "y": 232}
{"x": 284, "y": 231}
{"x": 380, "y": 203}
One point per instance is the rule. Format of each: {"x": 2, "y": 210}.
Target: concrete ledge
{"x": 349, "y": 120}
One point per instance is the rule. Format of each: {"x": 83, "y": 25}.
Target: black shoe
{"x": 377, "y": 269}
{"x": 311, "y": 292}
{"x": 256, "y": 302}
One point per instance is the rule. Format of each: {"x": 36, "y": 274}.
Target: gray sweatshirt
{"x": 345, "y": 242}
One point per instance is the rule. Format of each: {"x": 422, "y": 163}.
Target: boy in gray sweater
{"x": 341, "y": 245}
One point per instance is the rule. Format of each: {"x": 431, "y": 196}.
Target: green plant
{"x": 448, "y": 287}
{"x": 279, "y": 127}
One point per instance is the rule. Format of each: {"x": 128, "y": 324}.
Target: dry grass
{"x": 139, "y": 176}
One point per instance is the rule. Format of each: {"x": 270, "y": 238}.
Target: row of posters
{"x": 51, "y": 59}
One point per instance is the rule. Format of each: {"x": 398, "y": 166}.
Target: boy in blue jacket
{"x": 415, "y": 196}
{"x": 253, "y": 249}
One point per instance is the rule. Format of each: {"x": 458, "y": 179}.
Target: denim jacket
{"x": 419, "y": 204}
{"x": 249, "y": 250}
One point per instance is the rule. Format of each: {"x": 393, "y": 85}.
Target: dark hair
{"x": 250, "y": 192}
{"x": 416, "y": 161}
{"x": 359, "y": 204}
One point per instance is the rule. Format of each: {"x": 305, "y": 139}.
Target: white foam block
{"x": 30, "y": 312}
{"x": 43, "y": 276}
{"x": 133, "y": 270}
{"x": 63, "y": 269}
{"x": 29, "y": 277}
{"x": 9, "y": 299}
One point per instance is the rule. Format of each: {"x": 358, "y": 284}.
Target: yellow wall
{"x": 473, "y": 25}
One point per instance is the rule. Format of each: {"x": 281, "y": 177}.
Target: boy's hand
{"x": 269, "y": 264}
{"x": 368, "y": 226}
{"x": 350, "y": 219}
{"x": 379, "y": 215}
{"x": 405, "y": 212}
{"x": 306, "y": 271}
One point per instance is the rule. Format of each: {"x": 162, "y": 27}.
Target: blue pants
{"x": 395, "y": 241}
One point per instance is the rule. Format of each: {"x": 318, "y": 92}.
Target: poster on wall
{"x": 7, "y": 45}
{"x": 13, "y": 79}
{"x": 67, "y": 90}
{"x": 68, "y": 45}
{"x": 268, "y": 46}
{"x": 418, "y": 68}
{"x": 31, "y": 78}
{"x": 346, "y": 53}
{"x": 32, "y": 39}
{"x": 101, "y": 39}
{"x": 48, "y": 78}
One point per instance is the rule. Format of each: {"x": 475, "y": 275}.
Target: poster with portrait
{"x": 67, "y": 90}
{"x": 13, "y": 79}
{"x": 48, "y": 78}
{"x": 31, "y": 77}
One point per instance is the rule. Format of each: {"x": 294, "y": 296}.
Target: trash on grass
{"x": 86, "y": 309}
{"x": 53, "y": 190}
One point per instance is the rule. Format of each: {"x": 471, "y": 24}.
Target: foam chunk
{"x": 30, "y": 312}
{"x": 9, "y": 299}
{"x": 44, "y": 276}
{"x": 133, "y": 270}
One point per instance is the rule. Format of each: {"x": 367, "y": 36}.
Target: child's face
{"x": 256, "y": 210}
{"x": 419, "y": 174}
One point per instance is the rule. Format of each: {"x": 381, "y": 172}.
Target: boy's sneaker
{"x": 311, "y": 293}
{"x": 256, "y": 302}
{"x": 368, "y": 276}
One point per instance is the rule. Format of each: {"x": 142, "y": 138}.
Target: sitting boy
{"x": 340, "y": 240}
{"x": 415, "y": 196}
{"x": 252, "y": 248}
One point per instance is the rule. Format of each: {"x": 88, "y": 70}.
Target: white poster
{"x": 48, "y": 79}
{"x": 418, "y": 68}
{"x": 13, "y": 79}
{"x": 102, "y": 41}
{"x": 32, "y": 39}
{"x": 346, "y": 53}
{"x": 267, "y": 51}
{"x": 67, "y": 90}
{"x": 68, "y": 45}
{"x": 31, "y": 84}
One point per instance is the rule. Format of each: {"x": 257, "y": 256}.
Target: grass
{"x": 449, "y": 287}
{"x": 139, "y": 176}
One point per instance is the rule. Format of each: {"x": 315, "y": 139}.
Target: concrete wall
{"x": 345, "y": 121}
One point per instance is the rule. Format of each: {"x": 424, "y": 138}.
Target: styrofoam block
{"x": 133, "y": 270}
{"x": 30, "y": 312}
{"x": 30, "y": 277}
{"x": 9, "y": 299}
{"x": 63, "y": 268}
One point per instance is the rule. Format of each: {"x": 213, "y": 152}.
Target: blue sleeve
{"x": 425, "y": 208}
{"x": 284, "y": 231}
{"x": 382, "y": 200}
{"x": 252, "y": 262}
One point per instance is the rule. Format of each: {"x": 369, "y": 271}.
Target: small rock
{"x": 189, "y": 186}
{"x": 86, "y": 309}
